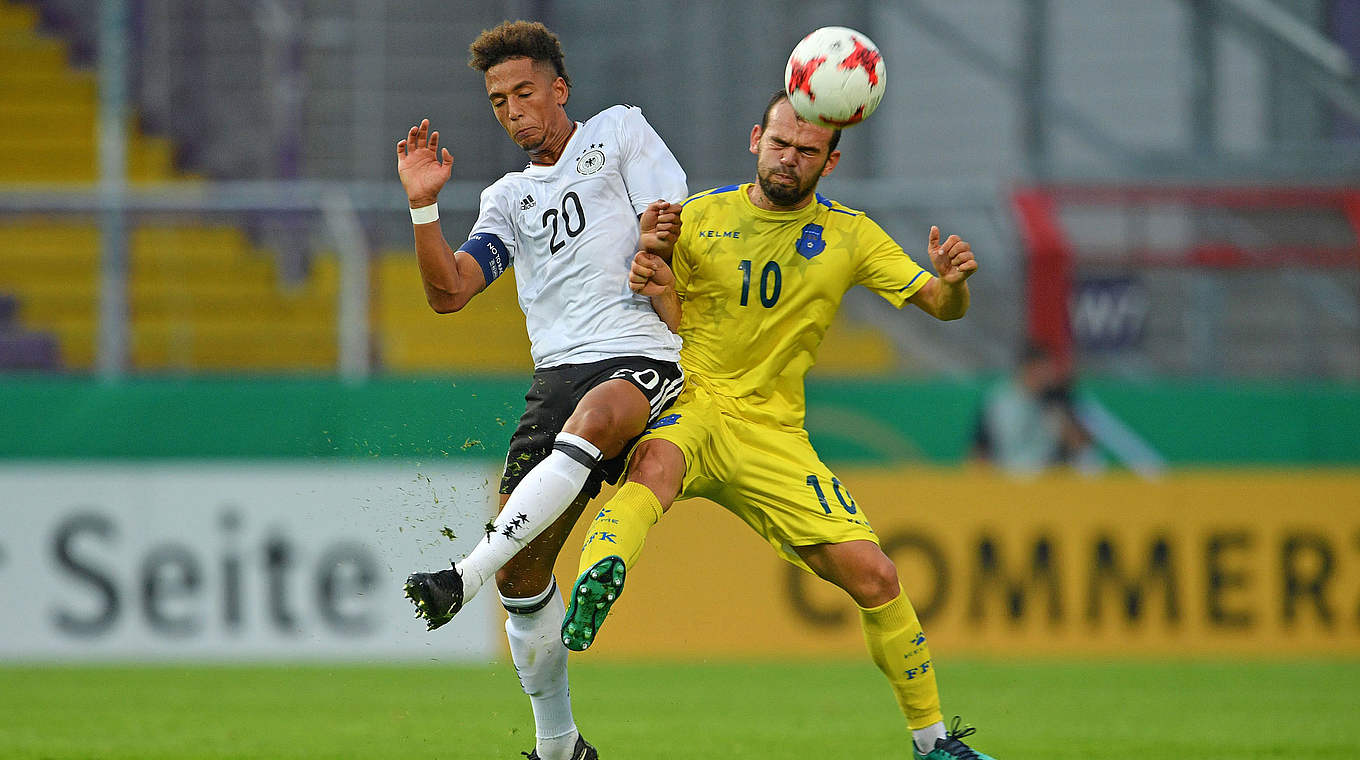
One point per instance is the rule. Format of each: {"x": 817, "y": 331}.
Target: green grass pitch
{"x": 677, "y": 711}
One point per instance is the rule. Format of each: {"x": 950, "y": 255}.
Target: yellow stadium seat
{"x": 200, "y": 297}
{"x": 17, "y": 18}
{"x": 203, "y": 296}
{"x": 486, "y": 336}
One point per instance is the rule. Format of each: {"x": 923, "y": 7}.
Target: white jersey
{"x": 571, "y": 230}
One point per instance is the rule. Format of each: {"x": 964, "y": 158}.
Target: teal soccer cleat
{"x": 951, "y": 747}
{"x": 591, "y": 597}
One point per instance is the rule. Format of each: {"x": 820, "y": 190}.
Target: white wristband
{"x": 425, "y": 214}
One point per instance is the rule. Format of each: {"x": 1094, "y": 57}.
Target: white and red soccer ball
{"x": 835, "y": 77}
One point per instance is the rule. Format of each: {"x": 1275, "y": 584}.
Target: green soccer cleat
{"x": 583, "y": 751}
{"x": 951, "y": 747}
{"x": 591, "y": 597}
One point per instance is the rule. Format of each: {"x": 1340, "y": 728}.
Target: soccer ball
{"x": 835, "y": 77}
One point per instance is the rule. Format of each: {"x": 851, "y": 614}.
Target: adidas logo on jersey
{"x": 526, "y": 203}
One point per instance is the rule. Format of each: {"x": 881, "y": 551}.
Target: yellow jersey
{"x": 760, "y": 288}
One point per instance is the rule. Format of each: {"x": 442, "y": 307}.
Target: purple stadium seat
{"x": 28, "y": 350}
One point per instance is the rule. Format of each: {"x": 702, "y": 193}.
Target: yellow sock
{"x": 898, "y": 647}
{"x": 621, "y": 526}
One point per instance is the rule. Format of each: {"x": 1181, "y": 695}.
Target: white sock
{"x": 556, "y": 748}
{"x": 925, "y": 737}
{"x": 540, "y": 498}
{"x": 541, "y": 662}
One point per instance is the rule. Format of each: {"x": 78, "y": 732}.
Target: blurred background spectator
{"x": 1028, "y": 422}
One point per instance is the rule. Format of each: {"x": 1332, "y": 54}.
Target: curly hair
{"x": 517, "y": 39}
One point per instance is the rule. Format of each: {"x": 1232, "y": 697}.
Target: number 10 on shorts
{"x": 842, "y": 494}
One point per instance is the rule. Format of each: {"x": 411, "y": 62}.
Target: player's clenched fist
{"x": 650, "y": 275}
{"x": 419, "y": 166}
{"x": 659, "y": 226}
{"x": 953, "y": 260}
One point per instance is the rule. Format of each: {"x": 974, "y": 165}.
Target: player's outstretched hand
{"x": 954, "y": 260}
{"x": 659, "y": 227}
{"x": 650, "y": 275}
{"x": 419, "y": 166}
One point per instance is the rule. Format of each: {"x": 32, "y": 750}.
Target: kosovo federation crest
{"x": 669, "y": 419}
{"x": 811, "y": 243}
{"x": 591, "y": 161}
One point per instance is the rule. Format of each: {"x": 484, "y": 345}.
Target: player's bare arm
{"x": 651, "y": 276}
{"x": 946, "y": 296}
{"x": 451, "y": 279}
{"x": 659, "y": 228}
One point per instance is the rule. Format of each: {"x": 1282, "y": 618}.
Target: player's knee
{"x": 877, "y": 582}
{"x": 647, "y": 470}
{"x": 651, "y": 468}
{"x": 599, "y": 425}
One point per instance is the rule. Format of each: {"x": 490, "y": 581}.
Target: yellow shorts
{"x": 770, "y": 477}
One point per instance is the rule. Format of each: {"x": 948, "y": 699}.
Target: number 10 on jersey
{"x": 771, "y": 279}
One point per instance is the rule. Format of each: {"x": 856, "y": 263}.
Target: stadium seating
{"x": 204, "y": 296}
{"x": 487, "y": 335}
{"x": 201, "y": 297}
{"x": 20, "y": 348}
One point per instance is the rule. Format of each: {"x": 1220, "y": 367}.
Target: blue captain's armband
{"x": 489, "y": 252}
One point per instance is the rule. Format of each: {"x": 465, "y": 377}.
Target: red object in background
{"x": 1050, "y": 256}
{"x": 1048, "y": 279}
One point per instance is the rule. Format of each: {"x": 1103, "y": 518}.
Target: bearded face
{"x": 787, "y": 185}
{"x": 791, "y": 156}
